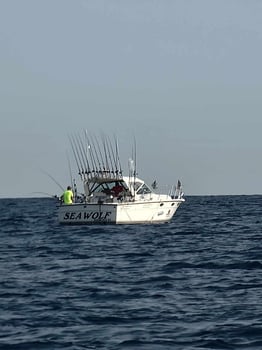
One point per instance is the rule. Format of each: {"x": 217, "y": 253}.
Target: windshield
{"x": 108, "y": 187}
{"x": 137, "y": 185}
{"x": 144, "y": 189}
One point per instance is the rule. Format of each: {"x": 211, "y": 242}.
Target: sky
{"x": 181, "y": 77}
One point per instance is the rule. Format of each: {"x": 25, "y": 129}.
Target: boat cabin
{"x": 107, "y": 189}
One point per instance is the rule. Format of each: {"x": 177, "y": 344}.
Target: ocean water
{"x": 195, "y": 283}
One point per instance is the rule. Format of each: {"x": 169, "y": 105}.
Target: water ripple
{"x": 194, "y": 283}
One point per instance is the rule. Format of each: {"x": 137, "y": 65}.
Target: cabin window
{"x": 107, "y": 187}
{"x": 98, "y": 188}
{"x": 137, "y": 185}
{"x": 144, "y": 190}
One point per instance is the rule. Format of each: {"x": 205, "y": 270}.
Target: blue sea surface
{"x": 195, "y": 283}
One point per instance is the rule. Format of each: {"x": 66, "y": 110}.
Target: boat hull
{"x": 118, "y": 213}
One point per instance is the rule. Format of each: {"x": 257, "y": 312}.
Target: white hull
{"x": 138, "y": 212}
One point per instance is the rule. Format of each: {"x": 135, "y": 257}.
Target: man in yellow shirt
{"x": 68, "y": 196}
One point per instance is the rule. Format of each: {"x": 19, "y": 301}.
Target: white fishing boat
{"x": 109, "y": 197}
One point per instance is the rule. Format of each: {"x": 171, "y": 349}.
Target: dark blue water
{"x": 195, "y": 283}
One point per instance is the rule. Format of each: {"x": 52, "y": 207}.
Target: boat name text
{"x": 93, "y": 215}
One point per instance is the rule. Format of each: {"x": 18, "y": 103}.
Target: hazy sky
{"x": 183, "y": 77}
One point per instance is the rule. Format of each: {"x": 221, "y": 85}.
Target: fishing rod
{"x": 81, "y": 168}
{"x": 100, "y": 170}
{"x": 90, "y": 153}
{"x": 75, "y": 156}
{"x": 80, "y": 155}
{"x": 84, "y": 152}
{"x": 75, "y": 190}
{"x": 101, "y": 155}
{"x": 107, "y": 150}
{"x": 117, "y": 156}
{"x": 130, "y": 169}
{"x": 55, "y": 181}
{"x": 73, "y": 182}
{"x": 69, "y": 167}
{"x": 105, "y": 155}
{"x": 135, "y": 157}
{"x": 114, "y": 157}
{"x": 134, "y": 172}
{"x": 46, "y": 194}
